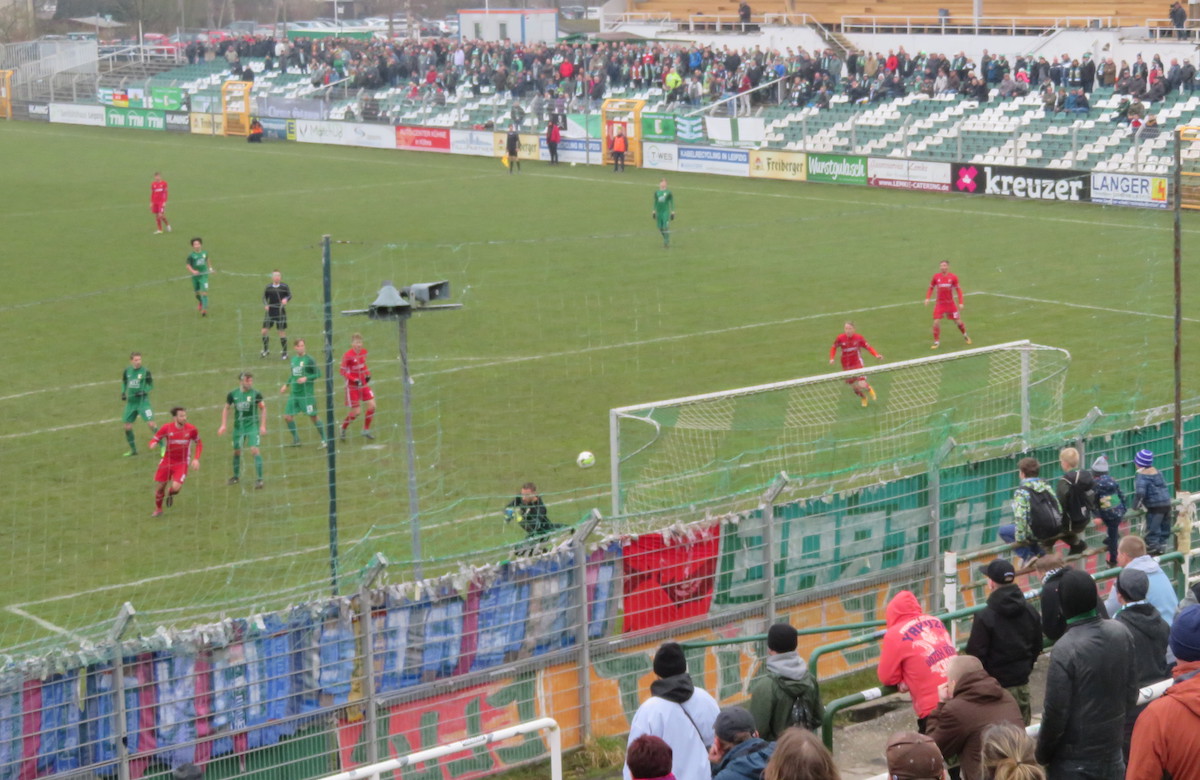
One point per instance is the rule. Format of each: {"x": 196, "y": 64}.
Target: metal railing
{"x": 1005, "y": 25}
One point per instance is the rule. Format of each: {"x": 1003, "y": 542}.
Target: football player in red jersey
{"x": 158, "y": 203}
{"x": 173, "y": 468}
{"x": 358, "y": 377}
{"x": 851, "y": 344}
{"x": 945, "y": 283}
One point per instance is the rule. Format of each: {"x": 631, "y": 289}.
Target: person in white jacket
{"x": 678, "y": 712}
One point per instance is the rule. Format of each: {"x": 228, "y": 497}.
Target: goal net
{"x": 689, "y": 450}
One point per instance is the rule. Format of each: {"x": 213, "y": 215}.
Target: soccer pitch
{"x": 571, "y": 307}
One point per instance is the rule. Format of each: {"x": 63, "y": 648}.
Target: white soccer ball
{"x": 574, "y": 164}
{"x": 585, "y": 460}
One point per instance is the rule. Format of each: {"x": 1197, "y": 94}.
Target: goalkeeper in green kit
{"x": 664, "y": 211}
{"x": 301, "y": 393}
{"x": 249, "y": 425}
{"x": 136, "y": 384}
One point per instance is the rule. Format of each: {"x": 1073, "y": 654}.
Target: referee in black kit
{"x": 275, "y": 301}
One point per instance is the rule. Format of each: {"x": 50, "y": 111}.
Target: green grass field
{"x": 571, "y": 307}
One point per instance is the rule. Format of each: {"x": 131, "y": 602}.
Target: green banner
{"x": 836, "y": 168}
{"x": 658, "y": 127}
{"x": 135, "y": 118}
{"x": 363, "y": 35}
{"x": 579, "y": 125}
{"x": 166, "y": 98}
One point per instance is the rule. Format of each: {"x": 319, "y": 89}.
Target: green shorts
{"x": 245, "y": 439}
{"x": 301, "y": 404}
{"x": 200, "y": 283}
{"x": 663, "y": 222}
{"x": 139, "y": 408}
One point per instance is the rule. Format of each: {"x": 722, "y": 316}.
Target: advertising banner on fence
{"x": 908, "y": 174}
{"x": 135, "y": 118}
{"x": 279, "y": 129}
{"x": 529, "y": 146}
{"x": 689, "y": 128}
{"x": 740, "y": 131}
{"x": 771, "y": 164}
{"x": 837, "y": 168}
{"x": 708, "y": 159}
{"x": 1125, "y": 189}
{"x": 474, "y": 142}
{"x": 346, "y": 134}
{"x": 177, "y": 121}
{"x": 661, "y": 156}
{"x": 166, "y": 98}
{"x": 425, "y": 139}
{"x": 658, "y": 127}
{"x": 1024, "y": 183}
{"x": 207, "y": 124}
{"x": 574, "y": 150}
{"x": 38, "y": 112}
{"x": 73, "y": 114}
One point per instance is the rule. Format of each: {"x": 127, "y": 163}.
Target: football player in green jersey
{"x": 249, "y": 425}
{"x": 301, "y": 393}
{"x": 136, "y": 384}
{"x": 664, "y": 211}
{"x": 199, "y": 268}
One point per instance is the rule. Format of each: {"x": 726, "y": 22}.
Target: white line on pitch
{"x": 1083, "y": 306}
{"x": 46, "y": 624}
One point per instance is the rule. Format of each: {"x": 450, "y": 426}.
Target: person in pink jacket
{"x": 916, "y": 648}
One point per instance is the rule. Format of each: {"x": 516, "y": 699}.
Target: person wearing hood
{"x": 1131, "y": 554}
{"x": 916, "y": 648}
{"x": 1150, "y": 636}
{"x": 1166, "y": 738}
{"x": 738, "y": 752}
{"x": 1006, "y": 635}
{"x": 1091, "y": 687}
{"x": 679, "y": 712}
{"x": 787, "y": 695}
{"x": 971, "y": 700}
{"x": 1153, "y": 494}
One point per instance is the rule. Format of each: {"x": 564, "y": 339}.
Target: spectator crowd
{"x": 972, "y": 709}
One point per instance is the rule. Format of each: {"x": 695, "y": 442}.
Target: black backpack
{"x": 1082, "y": 495}
{"x": 1045, "y": 516}
{"x": 801, "y": 714}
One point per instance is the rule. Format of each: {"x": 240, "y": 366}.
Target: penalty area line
{"x": 46, "y": 624}
{"x": 1089, "y": 307}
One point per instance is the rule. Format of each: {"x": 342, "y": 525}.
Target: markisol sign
{"x": 1125, "y": 189}
{"x": 837, "y": 169}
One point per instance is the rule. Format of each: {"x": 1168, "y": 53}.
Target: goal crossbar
{"x": 809, "y": 380}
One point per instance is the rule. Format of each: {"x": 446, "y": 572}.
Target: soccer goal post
{"x": 701, "y": 448}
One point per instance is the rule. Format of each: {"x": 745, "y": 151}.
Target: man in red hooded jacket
{"x": 916, "y": 648}
{"x": 1166, "y": 737}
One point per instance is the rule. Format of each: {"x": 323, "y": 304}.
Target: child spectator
{"x": 1112, "y": 505}
{"x": 649, "y": 758}
{"x": 1152, "y": 493}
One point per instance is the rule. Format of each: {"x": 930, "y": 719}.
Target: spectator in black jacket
{"x": 1052, "y": 570}
{"x": 1151, "y": 635}
{"x": 1073, "y": 487}
{"x": 1006, "y": 635}
{"x": 1091, "y": 687}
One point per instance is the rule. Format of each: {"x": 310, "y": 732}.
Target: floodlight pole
{"x": 414, "y": 508}
{"x": 1178, "y": 454}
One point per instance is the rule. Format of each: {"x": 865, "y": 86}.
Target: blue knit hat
{"x": 1144, "y": 459}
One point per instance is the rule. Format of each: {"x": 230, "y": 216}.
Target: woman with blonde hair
{"x": 1008, "y": 754}
{"x": 799, "y": 755}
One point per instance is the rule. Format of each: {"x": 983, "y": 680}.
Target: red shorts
{"x": 356, "y": 395}
{"x": 158, "y": 208}
{"x": 173, "y": 472}
{"x": 855, "y": 380}
{"x": 945, "y": 310}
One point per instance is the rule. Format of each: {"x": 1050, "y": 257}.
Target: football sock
{"x": 937, "y": 332}
{"x": 237, "y": 466}
{"x": 292, "y": 429}
{"x": 132, "y": 442}
{"x": 962, "y": 328}
{"x": 320, "y": 431}
{"x": 158, "y": 499}
{"x": 266, "y": 343}
{"x": 204, "y": 301}
{"x": 258, "y": 466}
{"x": 367, "y": 420}
{"x": 283, "y": 344}
{"x": 346, "y": 422}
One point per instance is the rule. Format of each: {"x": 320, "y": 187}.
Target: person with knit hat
{"x": 1166, "y": 737}
{"x": 1150, "y": 634}
{"x": 972, "y": 700}
{"x": 1152, "y": 493}
{"x": 787, "y": 695}
{"x": 913, "y": 756}
{"x": 678, "y": 711}
{"x": 1112, "y": 505}
{"x": 1006, "y": 635}
{"x": 738, "y": 752}
{"x": 1090, "y": 688}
